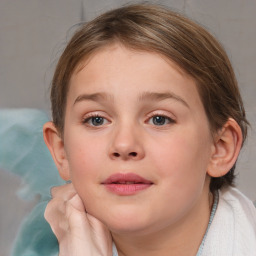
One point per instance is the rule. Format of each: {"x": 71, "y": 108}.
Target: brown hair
{"x": 154, "y": 28}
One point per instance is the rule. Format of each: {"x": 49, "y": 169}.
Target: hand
{"x": 78, "y": 232}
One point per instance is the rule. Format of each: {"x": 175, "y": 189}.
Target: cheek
{"x": 182, "y": 161}
{"x": 83, "y": 152}
{"x": 181, "y": 167}
{"x": 83, "y": 156}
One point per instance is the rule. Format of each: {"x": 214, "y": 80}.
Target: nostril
{"x": 133, "y": 154}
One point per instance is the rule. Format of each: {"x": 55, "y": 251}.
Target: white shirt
{"x": 233, "y": 229}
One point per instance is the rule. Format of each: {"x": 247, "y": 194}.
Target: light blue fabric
{"x": 214, "y": 208}
{"x": 35, "y": 237}
{"x": 114, "y": 250}
{"x": 23, "y": 152}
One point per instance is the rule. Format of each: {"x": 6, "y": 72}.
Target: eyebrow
{"x": 145, "y": 96}
{"x": 100, "y": 96}
{"x": 155, "y": 96}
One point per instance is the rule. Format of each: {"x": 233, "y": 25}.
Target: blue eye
{"x": 95, "y": 121}
{"x": 161, "y": 120}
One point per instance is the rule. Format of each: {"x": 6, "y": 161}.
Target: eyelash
{"x": 90, "y": 117}
{"x": 166, "y": 118}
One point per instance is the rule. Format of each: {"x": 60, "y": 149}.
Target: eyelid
{"x": 87, "y": 116}
{"x": 161, "y": 113}
{"x": 96, "y": 113}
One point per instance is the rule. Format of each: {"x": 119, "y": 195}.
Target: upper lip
{"x": 122, "y": 178}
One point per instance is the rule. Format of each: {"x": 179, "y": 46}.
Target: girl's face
{"x": 137, "y": 141}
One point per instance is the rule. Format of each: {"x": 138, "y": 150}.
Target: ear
{"x": 227, "y": 145}
{"x": 55, "y": 144}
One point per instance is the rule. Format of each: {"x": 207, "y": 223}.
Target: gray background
{"x": 33, "y": 33}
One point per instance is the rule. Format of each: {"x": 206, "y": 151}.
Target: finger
{"x": 76, "y": 216}
{"x": 55, "y": 216}
{"x": 76, "y": 203}
{"x": 96, "y": 226}
{"x": 54, "y": 208}
{"x": 59, "y": 213}
{"x": 57, "y": 190}
{"x": 100, "y": 232}
{"x": 65, "y": 192}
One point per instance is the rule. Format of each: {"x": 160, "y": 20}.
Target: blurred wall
{"x": 33, "y": 33}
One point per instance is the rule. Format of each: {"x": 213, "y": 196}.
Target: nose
{"x": 126, "y": 144}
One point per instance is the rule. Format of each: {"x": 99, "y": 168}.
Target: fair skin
{"x": 135, "y": 112}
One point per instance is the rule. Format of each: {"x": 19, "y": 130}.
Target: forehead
{"x": 112, "y": 53}
{"x": 116, "y": 67}
{"x": 105, "y": 52}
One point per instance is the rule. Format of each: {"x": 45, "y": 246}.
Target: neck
{"x": 181, "y": 239}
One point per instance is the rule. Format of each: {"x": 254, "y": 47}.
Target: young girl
{"x": 147, "y": 125}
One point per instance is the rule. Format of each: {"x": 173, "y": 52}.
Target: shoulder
{"x": 233, "y": 199}
{"x": 233, "y": 230}
{"x": 237, "y": 208}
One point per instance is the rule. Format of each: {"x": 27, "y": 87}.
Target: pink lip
{"x": 126, "y": 183}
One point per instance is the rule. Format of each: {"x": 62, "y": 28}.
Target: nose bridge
{"x": 127, "y": 141}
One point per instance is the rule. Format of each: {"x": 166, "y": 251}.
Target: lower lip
{"x": 126, "y": 189}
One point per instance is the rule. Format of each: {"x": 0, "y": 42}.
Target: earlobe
{"x": 56, "y": 146}
{"x": 227, "y": 145}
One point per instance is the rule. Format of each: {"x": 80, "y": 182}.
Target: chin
{"x": 127, "y": 228}
{"x": 126, "y": 221}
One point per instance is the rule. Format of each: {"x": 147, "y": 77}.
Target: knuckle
{"x": 54, "y": 191}
{"x": 48, "y": 212}
{"x": 65, "y": 191}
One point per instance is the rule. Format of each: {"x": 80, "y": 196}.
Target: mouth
{"x": 126, "y": 183}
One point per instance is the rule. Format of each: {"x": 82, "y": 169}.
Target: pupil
{"x": 158, "y": 120}
{"x": 97, "y": 120}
